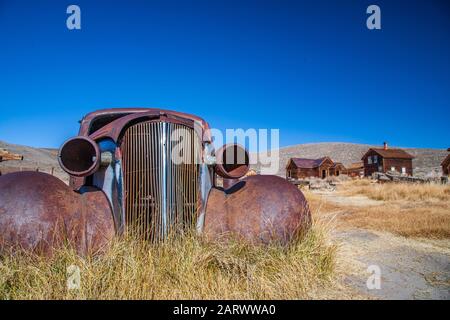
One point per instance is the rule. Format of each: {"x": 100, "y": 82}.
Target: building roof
{"x": 338, "y": 164}
{"x": 308, "y": 163}
{"x": 356, "y": 165}
{"x": 390, "y": 153}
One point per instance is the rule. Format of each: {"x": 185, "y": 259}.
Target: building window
{"x": 369, "y": 160}
{"x": 375, "y": 159}
{"x": 392, "y": 168}
{"x": 403, "y": 170}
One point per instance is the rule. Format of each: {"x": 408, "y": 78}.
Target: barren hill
{"x": 426, "y": 162}
{"x": 42, "y": 159}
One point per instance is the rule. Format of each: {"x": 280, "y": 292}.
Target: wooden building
{"x": 446, "y": 165}
{"x": 386, "y": 159}
{"x": 6, "y": 156}
{"x": 301, "y": 168}
{"x": 355, "y": 170}
{"x": 337, "y": 169}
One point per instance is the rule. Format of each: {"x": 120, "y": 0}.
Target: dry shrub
{"x": 400, "y": 191}
{"x": 421, "y": 222}
{"x": 185, "y": 267}
{"x": 410, "y": 210}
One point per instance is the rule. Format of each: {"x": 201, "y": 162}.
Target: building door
{"x": 324, "y": 173}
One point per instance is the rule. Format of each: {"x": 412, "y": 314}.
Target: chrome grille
{"x": 160, "y": 196}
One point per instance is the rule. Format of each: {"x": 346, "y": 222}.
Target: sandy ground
{"x": 409, "y": 268}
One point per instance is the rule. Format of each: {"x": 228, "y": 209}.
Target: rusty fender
{"x": 39, "y": 212}
{"x": 258, "y": 208}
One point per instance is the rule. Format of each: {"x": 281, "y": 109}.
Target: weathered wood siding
{"x": 398, "y": 164}
{"x": 385, "y": 164}
{"x": 302, "y": 173}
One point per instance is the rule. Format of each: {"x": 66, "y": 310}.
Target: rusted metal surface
{"x": 259, "y": 209}
{"x": 232, "y": 161}
{"x": 127, "y": 178}
{"x": 79, "y": 156}
{"x": 86, "y": 122}
{"x": 114, "y": 129}
{"x": 39, "y": 212}
{"x": 161, "y": 192}
{"x": 124, "y": 117}
{"x": 228, "y": 183}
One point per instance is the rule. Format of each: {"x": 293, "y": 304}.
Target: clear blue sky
{"x": 311, "y": 69}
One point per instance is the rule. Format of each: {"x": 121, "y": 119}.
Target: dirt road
{"x": 409, "y": 268}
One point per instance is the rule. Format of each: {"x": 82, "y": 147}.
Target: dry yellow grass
{"x": 182, "y": 268}
{"x": 410, "y": 210}
{"x": 398, "y": 191}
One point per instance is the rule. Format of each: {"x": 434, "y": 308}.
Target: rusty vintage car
{"x": 123, "y": 180}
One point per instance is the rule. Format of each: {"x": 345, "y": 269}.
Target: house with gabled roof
{"x": 301, "y": 168}
{"x": 386, "y": 159}
{"x": 337, "y": 169}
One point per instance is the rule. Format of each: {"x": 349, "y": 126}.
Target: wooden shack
{"x": 5, "y": 155}
{"x": 355, "y": 170}
{"x": 301, "y": 168}
{"x": 446, "y": 165}
{"x": 386, "y": 159}
{"x": 337, "y": 169}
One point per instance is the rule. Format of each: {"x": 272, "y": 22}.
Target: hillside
{"x": 43, "y": 159}
{"x": 426, "y": 162}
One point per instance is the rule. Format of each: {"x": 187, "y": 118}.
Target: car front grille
{"x": 160, "y": 196}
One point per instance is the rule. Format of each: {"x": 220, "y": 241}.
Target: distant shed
{"x": 386, "y": 159}
{"x": 355, "y": 169}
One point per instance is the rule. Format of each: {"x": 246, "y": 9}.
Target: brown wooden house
{"x": 446, "y": 165}
{"x": 300, "y": 168}
{"x": 337, "y": 169}
{"x": 355, "y": 169}
{"x": 386, "y": 159}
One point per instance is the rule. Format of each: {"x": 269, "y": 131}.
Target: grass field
{"x": 182, "y": 268}
{"x": 190, "y": 268}
{"x": 410, "y": 210}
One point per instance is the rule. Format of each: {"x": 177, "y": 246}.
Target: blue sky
{"x": 309, "y": 68}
